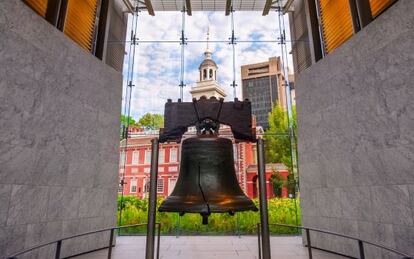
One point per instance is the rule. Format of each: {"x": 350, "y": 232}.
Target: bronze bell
{"x": 207, "y": 182}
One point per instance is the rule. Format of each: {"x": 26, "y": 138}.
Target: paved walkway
{"x": 209, "y": 247}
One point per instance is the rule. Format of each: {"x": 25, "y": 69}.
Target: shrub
{"x": 281, "y": 210}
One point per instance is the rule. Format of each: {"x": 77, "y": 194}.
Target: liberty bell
{"x": 207, "y": 181}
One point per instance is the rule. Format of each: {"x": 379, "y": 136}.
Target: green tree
{"x": 277, "y": 182}
{"x": 124, "y": 120}
{"x": 278, "y": 149}
{"x": 151, "y": 121}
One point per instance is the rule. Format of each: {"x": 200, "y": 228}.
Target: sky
{"x": 156, "y": 70}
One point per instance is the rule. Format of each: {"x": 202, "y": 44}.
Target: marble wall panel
{"x": 355, "y": 123}
{"x": 59, "y": 136}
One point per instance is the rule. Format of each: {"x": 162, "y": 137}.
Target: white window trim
{"x": 161, "y": 161}
{"x": 176, "y": 155}
{"x": 147, "y": 159}
{"x": 122, "y": 158}
{"x": 136, "y": 186}
{"x": 135, "y": 157}
{"x": 160, "y": 180}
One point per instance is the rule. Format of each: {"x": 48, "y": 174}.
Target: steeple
{"x": 208, "y": 68}
{"x": 208, "y": 86}
{"x": 207, "y": 53}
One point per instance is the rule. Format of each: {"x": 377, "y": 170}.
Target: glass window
{"x": 135, "y": 157}
{"x": 134, "y": 170}
{"x": 40, "y": 6}
{"x": 80, "y": 22}
{"x": 161, "y": 156}
{"x": 160, "y": 185}
{"x": 172, "y": 169}
{"x": 147, "y": 157}
{"x": 133, "y": 186}
{"x": 173, "y": 155}
{"x": 146, "y": 185}
{"x": 336, "y": 23}
{"x": 377, "y": 6}
{"x": 122, "y": 158}
{"x": 254, "y": 155}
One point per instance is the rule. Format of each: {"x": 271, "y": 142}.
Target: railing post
{"x": 361, "y": 249}
{"x": 158, "y": 240}
{"x": 58, "y": 248}
{"x": 152, "y": 202}
{"x": 264, "y": 220}
{"x": 308, "y": 241}
{"x": 259, "y": 247}
{"x": 111, "y": 239}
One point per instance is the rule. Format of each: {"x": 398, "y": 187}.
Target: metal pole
{"x": 58, "y": 247}
{"x": 152, "y": 202}
{"x": 259, "y": 241}
{"x": 158, "y": 240}
{"x": 308, "y": 241}
{"x": 111, "y": 239}
{"x": 361, "y": 249}
{"x": 263, "y": 200}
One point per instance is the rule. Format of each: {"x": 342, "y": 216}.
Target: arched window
{"x": 211, "y": 74}
{"x": 204, "y": 74}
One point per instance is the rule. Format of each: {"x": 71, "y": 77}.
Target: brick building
{"x": 135, "y": 153}
{"x": 135, "y": 162}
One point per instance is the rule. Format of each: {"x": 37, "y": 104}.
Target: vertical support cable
{"x": 285, "y": 68}
{"x": 182, "y": 43}
{"x": 127, "y": 99}
{"x": 233, "y": 43}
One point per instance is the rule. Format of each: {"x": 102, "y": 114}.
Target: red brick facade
{"x": 137, "y": 167}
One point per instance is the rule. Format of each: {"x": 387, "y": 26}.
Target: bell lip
{"x": 255, "y": 209}
{"x": 213, "y": 209}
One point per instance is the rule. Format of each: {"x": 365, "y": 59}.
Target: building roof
{"x": 207, "y": 62}
{"x": 214, "y": 5}
{"x": 263, "y": 6}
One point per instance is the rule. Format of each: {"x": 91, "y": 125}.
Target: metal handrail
{"x": 59, "y": 241}
{"x": 309, "y": 244}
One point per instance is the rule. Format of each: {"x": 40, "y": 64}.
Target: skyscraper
{"x": 262, "y": 84}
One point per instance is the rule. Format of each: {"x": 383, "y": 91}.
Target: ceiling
{"x": 263, "y": 6}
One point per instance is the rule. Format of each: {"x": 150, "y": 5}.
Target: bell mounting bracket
{"x": 206, "y": 115}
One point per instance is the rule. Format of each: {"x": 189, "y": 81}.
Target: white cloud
{"x": 157, "y": 65}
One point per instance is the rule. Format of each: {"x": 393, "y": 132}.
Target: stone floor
{"x": 208, "y": 247}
